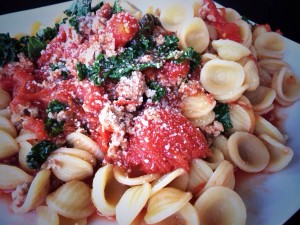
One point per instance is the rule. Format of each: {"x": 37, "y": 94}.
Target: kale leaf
{"x": 56, "y": 106}
{"x": 223, "y": 116}
{"x": 116, "y": 7}
{"x": 159, "y": 91}
{"x": 32, "y": 47}
{"x": 169, "y": 46}
{"x": 96, "y": 7}
{"x": 54, "y": 127}
{"x": 48, "y": 33}
{"x": 39, "y": 154}
{"x": 191, "y": 55}
{"x": 74, "y": 22}
{"x": 65, "y": 74}
{"x": 9, "y": 48}
{"x": 79, "y": 8}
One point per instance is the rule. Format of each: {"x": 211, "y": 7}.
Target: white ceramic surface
{"x": 270, "y": 198}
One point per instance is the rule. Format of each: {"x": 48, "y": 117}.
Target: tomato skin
{"x": 105, "y": 11}
{"x": 123, "y": 26}
{"x": 163, "y": 142}
{"x": 36, "y": 126}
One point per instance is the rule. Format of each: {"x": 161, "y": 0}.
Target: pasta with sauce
{"x": 142, "y": 117}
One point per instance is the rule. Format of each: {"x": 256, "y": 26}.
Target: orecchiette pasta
{"x": 5, "y": 99}
{"x": 7, "y": 126}
{"x": 245, "y": 31}
{"x": 8, "y": 147}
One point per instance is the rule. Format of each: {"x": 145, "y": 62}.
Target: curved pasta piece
{"x": 251, "y": 75}
{"x": 25, "y": 135}
{"x": 83, "y": 142}
{"x": 242, "y": 118}
{"x": 219, "y": 77}
{"x": 25, "y": 148}
{"x": 45, "y": 215}
{"x": 263, "y": 126}
{"x": 72, "y": 200}
{"x": 36, "y": 195}
{"x": 216, "y": 158}
{"x": 123, "y": 178}
{"x": 204, "y": 120}
{"x": 193, "y": 33}
{"x": 208, "y": 56}
{"x": 265, "y": 79}
{"x": 8, "y": 147}
{"x": 173, "y": 200}
{"x": 199, "y": 174}
{"x": 163, "y": 181}
{"x": 12, "y": 176}
{"x": 104, "y": 184}
{"x": 244, "y": 101}
{"x": 197, "y": 105}
{"x": 196, "y": 5}
{"x": 173, "y": 13}
{"x": 7, "y": 126}
{"x": 231, "y": 15}
{"x": 245, "y": 31}
{"x": 287, "y": 86}
{"x": 280, "y": 155}
{"x": 265, "y": 111}
{"x": 132, "y": 203}
{"x": 68, "y": 167}
{"x": 6, "y": 113}
{"x": 269, "y": 45}
{"x": 222, "y": 206}
{"x": 248, "y": 152}
{"x": 230, "y": 50}
{"x": 272, "y": 65}
{"x": 232, "y": 95}
{"x": 261, "y": 98}
{"x": 253, "y": 51}
{"x": 5, "y": 99}
{"x": 258, "y": 30}
{"x": 67, "y": 221}
{"x": 180, "y": 182}
{"x": 212, "y": 31}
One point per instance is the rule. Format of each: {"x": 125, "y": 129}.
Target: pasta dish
{"x": 143, "y": 117}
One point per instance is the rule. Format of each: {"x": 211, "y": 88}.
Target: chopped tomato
{"x": 104, "y": 11}
{"x": 164, "y": 140}
{"x": 36, "y": 126}
{"x": 123, "y": 26}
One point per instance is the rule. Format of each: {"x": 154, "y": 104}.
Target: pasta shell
{"x": 106, "y": 191}
{"x": 25, "y": 148}
{"x": 12, "y": 176}
{"x": 230, "y": 50}
{"x": 7, "y": 126}
{"x": 173, "y": 201}
{"x": 6, "y": 113}
{"x": 269, "y": 45}
{"x": 46, "y": 216}
{"x": 173, "y": 13}
{"x": 272, "y": 65}
{"x": 245, "y": 31}
{"x": 197, "y": 105}
{"x": 163, "y": 181}
{"x": 253, "y": 51}
{"x": 196, "y": 5}
{"x": 204, "y": 120}
{"x": 287, "y": 86}
{"x": 219, "y": 77}
{"x": 258, "y": 30}
{"x": 263, "y": 126}
{"x": 193, "y": 33}
{"x": 261, "y": 98}
{"x": 251, "y": 75}
{"x": 216, "y": 158}
{"x": 222, "y": 206}
{"x": 83, "y": 142}
{"x": 25, "y": 135}
{"x": 244, "y": 101}
{"x": 266, "y": 110}
{"x": 199, "y": 174}
{"x": 5, "y": 99}
{"x": 68, "y": 167}
{"x": 248, "y": 152}
{"x": 132, "y": 203}
{"x": 231, "y": 15}
{"x": 265, "y": 79}
{"x": 8, "y": 147}
{"x": 280, "y": 155}
{"x": 208, "y": 56}
{"x": 220, "y": 142}
{"x": 37, "y": 193}
{"x": 72, "y": 200}
{"x": 123, "y": 178}
{"x": 67, "y": 221}
{"x": 232, "y": 95}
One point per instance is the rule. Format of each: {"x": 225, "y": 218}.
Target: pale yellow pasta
{"x": 67, "y": 167}
{"x": 46, "y": 216}
{"x": 204, "y": 120}
{"x": 265, "y": 79}
{"x": 106, "y": 191}
{"x": 199, "y": 174}
{"x": 232, "y": 95}
{"x": 245, "y": 31}
{"x": 272, "y": 65}
{"x": 219, "y": 77}
{"x": 196, "y": 5}
{"x": 7, "y": 126}
{"x": 242, "y": 118}
{"x": 123, "y": 178}
{"x": 173, "y": 13}
{"x": 251, "y": 75}
{"x": 5, "y": 99}
{"x": 131, "y": 203}
{"x": 83, "y": 142}
{"x": 216, "y": 158}
{"x": 269, "y": 45}
{"x": 72, "y": 200}
{"x": 258, "y": 30}
{"x": 8, "y": 147}
{"x": 193, "y": 33}
{"x": 220, "y": 142}
{"x": 25, "y": 135}
{"x": 208, "y": 56}
{"x": 261, "y": 98}
{"x": 230, "y": 50}
{"x": 25, "y": 148}
{"x": 173, "y": 200}
{"x": 180, "y": 182}
{"x": 280, "y": 155}
{"x": 253, "y": 51}
{"x": 197, "y": 105}
{"x": 265, "y": 111}
{"x": 287, "y": 86}
{"x": 222, "y": 206}
{"x": 67, "y": 221}
{"x": 231, "y": 15}
{"x": 263, "y": 126}
{"x": 12, "y": 176}
{"x": 36, "y": 195}
{"x": 6, "y": 113}
{"x": 248, "y": 152}
{"x": 244, "y": 101}
{"x": 212, "y": 31}
{"x": 163, "y": 181}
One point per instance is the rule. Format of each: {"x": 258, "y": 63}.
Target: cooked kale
{"x": 222, "y": 115}
{"x": 53, "y": 127}
{"x": 55, "y": 106}
{"x": 79, "y": 8}
{"x": 116, "y": 7}
{"x": 39, "y": 154}
{"x": 82, "y": 71}
{"x": 191, "y": 55}
{"x": 74, "y": 22}
{"x": 9, "y": 48}
{"x": 169, "y": 46}
{"x": 48, "y": 33}
{"x": 159, "y": 91}
{"x": 32, "y": 47}
{"x": 96, "y": 7}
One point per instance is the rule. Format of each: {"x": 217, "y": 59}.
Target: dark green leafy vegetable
{"x": 82, "y": 71}
{"x": 54, "y": 127}
{"x": 159, "y": 91}
{"x": 191, "y": 55}
{"x": 116, "y": 7}
{"x": 169, "y": 46}
{"x": 55, "y": 106}
{"x": 48, "y": 33}
{"x": 39, "y": 154}
{"x": 32, "y": 47}
{"x": 64, "y": 72}
{"x": 96, "y": 7}
{"x": 74, "y": 23}
{"x": 9, "y": 48}
{"x": 222, "y": 115}
{"x": 79, "y": 8}
{"x": 53, "y": 67}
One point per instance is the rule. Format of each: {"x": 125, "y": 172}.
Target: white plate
{"x": 271, "y": 199}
